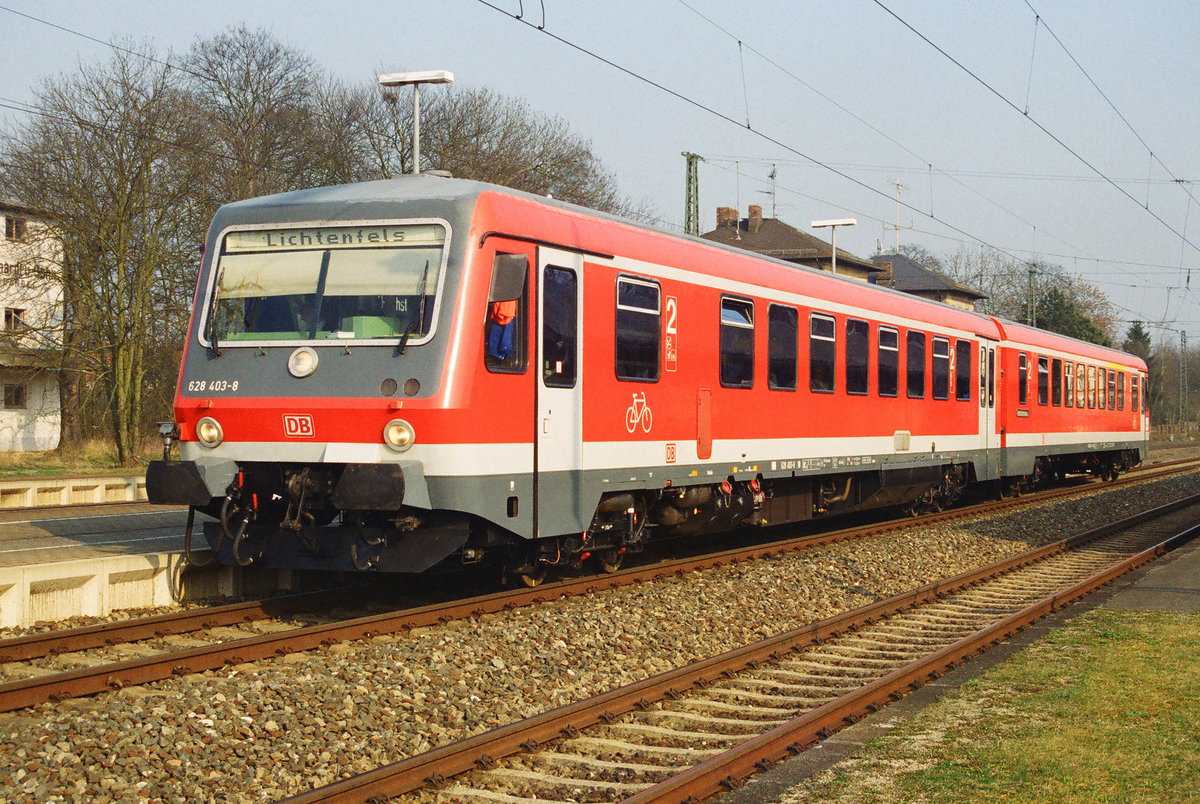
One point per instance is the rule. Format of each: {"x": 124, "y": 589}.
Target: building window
{"x": 858, "y": 347}
{"x": 639, "y": 316}
{"x": 1022, "y": 379}
{"x": 941, "y": 368}
{"x": 1043, "y": 380}
{"x": 737, "y": 343}
{"x": 14, "y": 319}
{"x": 15, "y": 228}
{"x": 962, "y": 370}
{"x": 822, "y": 352}
{"x": 14, "y": 397}
{"x": 888, "y": 359}
{"x": 783, "y": 330}
{"x": 915, "y": 368}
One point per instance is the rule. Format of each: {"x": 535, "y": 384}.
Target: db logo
{"x": 670, "y": 453}
{"x": 298, "y": 425}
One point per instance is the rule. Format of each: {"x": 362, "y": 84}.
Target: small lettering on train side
{"x": 671, "y": 342}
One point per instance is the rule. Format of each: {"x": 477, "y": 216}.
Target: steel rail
{"x": 26, "y": 692}
{"x": 483, "y": 750}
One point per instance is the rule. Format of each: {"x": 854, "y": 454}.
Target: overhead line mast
{"x": 691, "y": 203}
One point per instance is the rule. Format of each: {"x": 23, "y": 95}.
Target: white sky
{"x": 994, "y": 175}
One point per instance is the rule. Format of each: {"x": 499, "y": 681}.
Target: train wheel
{"x": 610, "y": 560}
{"x": 533, "y": 576}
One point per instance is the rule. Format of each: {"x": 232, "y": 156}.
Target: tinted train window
{"x": 888, "y": 360}
{"x": 560, "y": 321}
{"x": 1069, "y": 386}
{"x": 962, "y": 370}
{"x": 1112, "y": 390}
{"x": 1056, "y": 382}
{"x": 1080, "y": 386}
{"x": 638, "y": 330}
{"x": 1133, "y": 393}
{"x": 1121, "y": 391}
{"x": 737, "y": 343}
{"x": 941, "y": 368}
{"x": 1091, "y": 386}
{"x": 1043, "y": 380}
{"x": 858, "y": 347}
{"x": 1022, "y": 379}
{"x": 822, "y": 352}
{"x": 915, "y": 359}
{"x": 1102, "y": 382}
{"x": 783, "y": 325}
{"x": 983, "y": 375}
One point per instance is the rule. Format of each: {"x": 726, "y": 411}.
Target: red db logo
{"x": 298, "y": 425}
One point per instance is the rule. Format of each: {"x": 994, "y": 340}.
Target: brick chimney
{"x": 727, "y": 216}
{"x": 755, "y": 217}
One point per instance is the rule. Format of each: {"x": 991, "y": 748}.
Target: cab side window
{"x": 506, "y": 322}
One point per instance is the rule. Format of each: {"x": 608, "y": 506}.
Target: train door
{"x": 558, "y": 443}
{"x": 988, "y": 427}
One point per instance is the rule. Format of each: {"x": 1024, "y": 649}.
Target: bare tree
{"x": 103, "y": 160}
{"x": 480, "y": 134}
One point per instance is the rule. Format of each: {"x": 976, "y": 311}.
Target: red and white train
{"x": 386, "y": 375}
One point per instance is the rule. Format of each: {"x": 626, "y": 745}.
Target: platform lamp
{"x": 834, "y": 224}
{"x": 416, "y": 79}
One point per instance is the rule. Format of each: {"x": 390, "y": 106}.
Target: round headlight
{"x": 302, "y": 362}
{"x": 209, "y": 432}
{"x": 398, "y": 435}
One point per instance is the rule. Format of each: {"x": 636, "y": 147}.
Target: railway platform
{"x": 1171, "y": 584}
{"x": 63, "y": 562}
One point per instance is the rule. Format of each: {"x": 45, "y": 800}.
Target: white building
{"x": 30, "y": 331}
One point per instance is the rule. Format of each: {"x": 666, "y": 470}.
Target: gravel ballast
{"x": 266, "y": 730}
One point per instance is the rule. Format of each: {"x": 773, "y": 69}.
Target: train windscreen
{"x": 327, "y": 282}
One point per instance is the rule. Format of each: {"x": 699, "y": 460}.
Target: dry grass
{"x": 1105, "y": 709}
{"x": 94, "y": 456}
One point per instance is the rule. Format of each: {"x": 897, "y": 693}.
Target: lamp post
{"x": 416, "y": 79}
{"x": 834, "y": 224}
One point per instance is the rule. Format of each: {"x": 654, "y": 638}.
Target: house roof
{"x": 774, "y": 238}
{"x": 912, "y": 278}
{"x": 9, "y": 205}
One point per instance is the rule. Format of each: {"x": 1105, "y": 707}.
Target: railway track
{"x": 696, "y": 731}
{"x": 96, "y": 675}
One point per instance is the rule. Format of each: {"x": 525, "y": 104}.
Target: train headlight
{"x": 209, "y": 432}
{"x": 302, "y": 362}
{"x": 399, "y": 435}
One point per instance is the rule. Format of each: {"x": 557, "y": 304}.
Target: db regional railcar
{"x": 389, "y": 375}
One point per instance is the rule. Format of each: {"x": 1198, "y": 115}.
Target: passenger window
{"x": 888, "y": 358}
{"x": 858, "y": 335}
{"x": 1069, "y": 385}
{"x": 941, "y": 368}
{"x": 560, "y": 313}
{"x": 1043, "y": 380}
{"x": 822, "y": 352}
{"x": 783, "y": 331}
{"x": 639, "y": 329}
{"x": 1121, "y": 390}
{"x": 915, "y": 360}
{"x": 737, "y": 343}
{"x": 505, "y": 328}
{"x": 1133, "y": 392}
{"x": 991, "y": 390}
{"x": 1101, "y": 374}
{"x": 962, "y": 370}
{"x": 1112, "y": 390}
{"x": 1091, "y": 387}
{"x": 1080, "y": 386}
{"x": 1022, "y": 379}
{"x": 1056, "y": 382}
